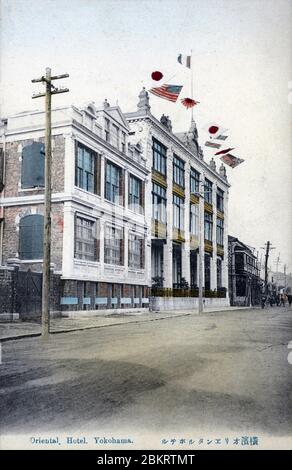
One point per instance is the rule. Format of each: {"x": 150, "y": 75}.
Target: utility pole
{"x": 50, "y": 90}
{"x": 268, "y": 248}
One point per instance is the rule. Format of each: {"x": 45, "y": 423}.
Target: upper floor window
{"x": 1, "y": 169}
{"x": 158, "y": 203}
{"x": 31, "y": 228}
{"x": 194, "y": 219}
{"x": 107, "y": 129}
{"x": 115, "y": 136}
{"x": 86, "y": 239}
{"x": 113, "y": 245}
{"x": 194, "y": 181}
{"x": 123, "y": 142}
{"x": 33, "y": 166}
{"x": 159, "y": 157}
{"x": 87, "y": 169}
{"x": 208, "y": 191}
{"x": 220, "y": 231}
{"x": 113, "y": 187}
{"x": 135, "y": 251}
{"x": 178, "y": 171}
{"x": 208, "y": 227}
{"x": 178, "y": 212}
{"x": 220, "y": 199}
{"x": 135, "y": 194}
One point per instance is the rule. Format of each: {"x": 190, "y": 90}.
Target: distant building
{"x": 244, "y": 274}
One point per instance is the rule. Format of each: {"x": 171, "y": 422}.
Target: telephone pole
{"x": 268, "y": 248}
{"x": 50, "y": 90}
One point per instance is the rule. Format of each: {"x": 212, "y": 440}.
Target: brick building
{"x": 99, "y": 228}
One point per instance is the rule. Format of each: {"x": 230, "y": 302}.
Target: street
{"x": 218, "y": 372}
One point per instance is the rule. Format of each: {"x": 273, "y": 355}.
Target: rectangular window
{"x": 86, "y": 238}
{"x": 219, "y": 273}
{"x": 135, "y": 251}
{"x": 194, "y": 219}
{"x": 123, "y": 142}
{"x": 194, "y": 181}
{"x": 159, "y": 157}
{"x": 158, "y": 203}
{"x": 86, "y": 169}
{"x": 207, "y": 265}
{"x": 208, "y": 227}
{"x": 135, "y": 194}
{"x": 208, "y": 191}
{"x": 220, "y": 199}
{"x": 178, "y": 171}
{"x": 113, "y": 245}
{"x": 107, "y": 129}
{"x": 115, "y": 136}
{"x": 112, "y": 182}
{"x": 178, "y": 212}
{"x": 220, "y": 231}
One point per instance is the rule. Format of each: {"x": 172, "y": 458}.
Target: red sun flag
{"x": 189, "y": 102}
{"x": 156, "y": 76}
{"x": 213, "y": 130}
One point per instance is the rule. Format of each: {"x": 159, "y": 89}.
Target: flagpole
{"x": 192, "y": 85}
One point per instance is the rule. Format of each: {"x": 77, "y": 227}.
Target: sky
{"x": 242, "y": 73}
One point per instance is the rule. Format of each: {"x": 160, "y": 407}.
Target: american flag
{"x": 231, "y": 160}
{"x": 167, "y": 92}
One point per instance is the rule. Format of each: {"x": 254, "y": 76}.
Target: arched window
{"x": 31, "y": 229}
{"x": 33, "y": 165}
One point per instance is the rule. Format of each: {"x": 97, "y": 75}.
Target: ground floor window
{"x": 207, "y": 271}
{"x": 113, "y": 245}
{"x": 136, "y": 252}
{"x": 86, "y": 239}
{"x": 219, "y": 273}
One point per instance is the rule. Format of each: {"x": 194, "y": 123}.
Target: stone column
{"x": 68, "y": 240}
{"x": 185, "y": 255}
{"x": 101, "y": 244}
{"x": 102, "y": 175}
{"x": 225, "y": 238}
{"x": 214, "y": 255}
{"x": 202, "y": 230}
{"x": 167, "y": 249}
{"x": 69, "y": 163}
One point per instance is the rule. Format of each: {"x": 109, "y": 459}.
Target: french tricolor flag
{"x": 184, "y": 60}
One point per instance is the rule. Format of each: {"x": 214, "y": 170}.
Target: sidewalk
{"x": 19, "y": 330}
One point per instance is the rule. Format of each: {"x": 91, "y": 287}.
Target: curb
{"x": 72, "y": 330}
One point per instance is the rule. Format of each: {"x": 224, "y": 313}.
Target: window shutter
{"x": 1, "y": 169}
{"x": 31, "y": 237}
{"x": 33, "y": 165}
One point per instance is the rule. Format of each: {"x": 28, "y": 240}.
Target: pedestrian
{"x": 289, "y": 299}
{"x": 283, "y": 300}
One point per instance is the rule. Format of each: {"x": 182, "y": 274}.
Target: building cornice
{"x": 136, "y": 117}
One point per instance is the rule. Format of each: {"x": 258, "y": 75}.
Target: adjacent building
{"x": 245, "y": 285}
{"x": 189, "y": 205}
